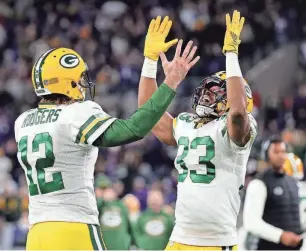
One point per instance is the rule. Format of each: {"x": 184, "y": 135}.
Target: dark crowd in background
{"x": 110, "y": 37}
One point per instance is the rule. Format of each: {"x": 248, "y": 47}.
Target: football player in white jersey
{"x": 213, "y": 148}
{"x": 58, "y": 147}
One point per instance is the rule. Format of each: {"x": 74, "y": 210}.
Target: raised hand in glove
{"x": 233, "y": 30}
{"x": 156, "y": 36}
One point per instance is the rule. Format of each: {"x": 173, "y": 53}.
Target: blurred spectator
{"x": 133, "y": 206}
{"x": 153, "y": 228}
{"x": 299, "y": 108}
{"x": 5, "y": 168}
{"x": 114, "y": 218}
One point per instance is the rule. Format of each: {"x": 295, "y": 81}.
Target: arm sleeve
{"x": 227, "y": 140}
{"x": 253, "y": 210}
{"x": 140, "y": 123}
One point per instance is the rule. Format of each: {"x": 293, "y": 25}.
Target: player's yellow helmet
{"x": 61, "y": 71}
{"x": 293, "y": 166}
{"x": 209, "y": 99}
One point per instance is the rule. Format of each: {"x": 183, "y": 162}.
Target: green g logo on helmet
{"x": 69, "y": 61}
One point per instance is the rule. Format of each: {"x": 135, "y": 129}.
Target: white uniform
{"x": 211, "y": 172}
{"x": 56, "y": 152}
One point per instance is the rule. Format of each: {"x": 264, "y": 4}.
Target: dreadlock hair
{"x": 57, "y": 99}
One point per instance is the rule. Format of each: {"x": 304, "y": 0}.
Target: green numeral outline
{"x": 183, "y": 141}
{"x": 41, "y": 163}
{"x": 23, "y": 149}
{"x": 203, "y": 160}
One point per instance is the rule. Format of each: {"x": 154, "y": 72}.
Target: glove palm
{"x": 156, "y": 36}
{"x": 233, "y": 30}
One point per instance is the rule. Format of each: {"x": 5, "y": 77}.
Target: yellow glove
{"x": 233, "y": 30}
{"x": 156, "y": 36}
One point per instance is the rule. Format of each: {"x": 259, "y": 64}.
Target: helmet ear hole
{"x": 73, "y": 84}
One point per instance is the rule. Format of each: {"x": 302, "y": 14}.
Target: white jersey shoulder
{"x": 191, "y": 123}
{"x": 89, "y": 122}
{"x": 211, "y": 171}
{"x": 55, "y": 149}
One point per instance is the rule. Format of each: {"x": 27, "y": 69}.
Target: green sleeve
{"x": 124, "y": 131}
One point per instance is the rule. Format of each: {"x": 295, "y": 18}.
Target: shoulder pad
{"x": 91, "y": 105}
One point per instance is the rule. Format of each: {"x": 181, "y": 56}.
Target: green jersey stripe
{"x": 92, "y": 237}
{"x": 83, "y": 127}
{"x": 100, "y": 237}
{"x": 95, "y": 128}
{"x": 97, "y": 238}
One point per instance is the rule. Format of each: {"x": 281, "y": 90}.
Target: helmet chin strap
{"x": 205, "y": 111}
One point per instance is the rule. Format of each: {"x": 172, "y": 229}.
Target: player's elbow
{"x": 166, "y": 139}
{"x": 164, "y": 135}
{"x": 238, "y": 105}
{"x": 247, "y": 224}
{"x": 250, "y": 224}
{"x": 238, "y": 117}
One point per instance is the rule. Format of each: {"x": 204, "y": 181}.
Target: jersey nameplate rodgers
{"x": 211, "y": 171}
{"x": 56, "y": 152}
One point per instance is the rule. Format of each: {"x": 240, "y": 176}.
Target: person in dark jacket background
{"x": 271, "y": 209}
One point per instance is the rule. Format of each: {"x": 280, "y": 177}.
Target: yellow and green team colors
{"x": 89, "y": 127}
{"x": 72, "y": 236}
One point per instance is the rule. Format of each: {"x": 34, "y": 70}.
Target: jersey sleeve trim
{"x": 174, "y": 124}
{"x": 91, "y": 126}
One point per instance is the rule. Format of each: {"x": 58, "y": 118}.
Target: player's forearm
{"x": 147, "y": 86}
{"x": 263, "y": 230}
{"x": 236, "y": 98}
{"x": 140, "y": 123}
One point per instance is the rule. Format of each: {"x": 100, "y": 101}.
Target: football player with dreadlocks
{"x": 58, "y": 146}
{"x": 213, "y": 146}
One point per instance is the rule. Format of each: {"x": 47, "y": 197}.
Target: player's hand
{"x": 232, "y": 34}
{"x": 156, "y": 36}
{"x": 177, "y": 69}
{"x": 290, "y": 239}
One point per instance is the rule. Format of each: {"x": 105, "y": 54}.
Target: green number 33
{"x": 41, "y": 163}
{"x": 195, "y": 175}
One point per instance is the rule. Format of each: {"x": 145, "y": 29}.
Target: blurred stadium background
{"x": 110, "y": 37}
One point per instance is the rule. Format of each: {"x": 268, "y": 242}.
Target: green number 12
{"x": 41, "y": 163}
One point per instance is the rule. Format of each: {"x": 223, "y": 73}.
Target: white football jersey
{"x": 211, "y": 171}
{"x": 56, "y": 152}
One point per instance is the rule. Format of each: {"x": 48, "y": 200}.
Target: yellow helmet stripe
{"x": 37, "y": 70}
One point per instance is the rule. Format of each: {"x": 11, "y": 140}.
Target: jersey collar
{"x": 46, "y": 105}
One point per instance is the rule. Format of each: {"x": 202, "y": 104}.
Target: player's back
{"x": 211, "y": 172}
{"x": 55, "y": 150}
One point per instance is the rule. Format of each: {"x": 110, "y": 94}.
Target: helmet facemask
{"x": 86, "y": 83}
{"x": 209, "y": 99}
